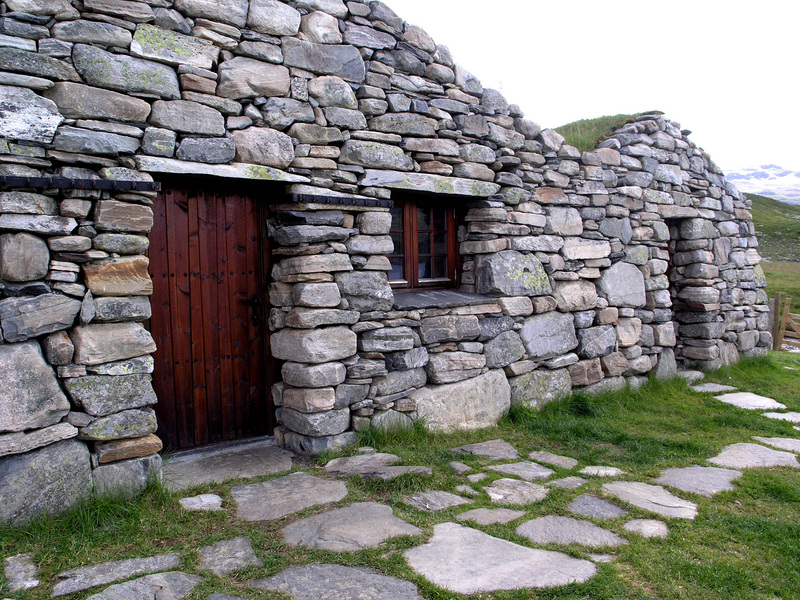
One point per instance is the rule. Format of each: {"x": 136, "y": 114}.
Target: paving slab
{"x": 203, "y": 502}
{"x": 372, "y": 465}
{"x": 161, "y": 586}
{"x": 750, "y": 401}
{"x": 691, "y": 376}
{"x": 83, "y": 578}
{"x": 602, "y": 558}
{"x": 270, "y": 500}
{"x": 789, "y": 444}
{"x": 651, "y": 497}
{"x": 601, "y": 471}
{"x": 565, "y": 462}
{"x": 567, "y": 483}
{"x": 335, "y": 582}
{"x": 228, "y": 555}
{"x": 705, "y": 481}
{"x": 597, "y": 508}
{"x": 241, "y": 461}
{"x": 348, "y": 529}
{"x": 647, "y": 528}
{"x": 713, "y": 388}
{"x": 477, "y": 477}
{"x": 491, "y": 516}
{"x": 435, "y": 500}
{"x": 791, "y": 417}
{"x": 467, "y": 561}
{"x": 751, "y": 456}
{"x": 20, "y": 572}
{"x": 568, "y": 530}
{"x": 529, "y": 471}
{"x": 494, "y": 449}
{"x": 467, "y": 490}
{"x": 514, "y": 491}
{"x": 459, "y": 467}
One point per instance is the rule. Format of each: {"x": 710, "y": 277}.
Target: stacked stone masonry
{"x": 579, "y": 269}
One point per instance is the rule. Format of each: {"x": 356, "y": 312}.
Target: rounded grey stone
{"x": 335, "y": 582}
{"x": 566, "y": 530}
{"x": 524, "y": 470}
{"x": 648, "y": 528}
{"x": 705, "y": 481}
{"x": 749, "y": 456}
{"x": 592, "y": 506}
{"x": 23, "y": 257}
{"x": 229, "y": 555}
{"x": 360, "y": 525}
{"x": 514, "y": 491}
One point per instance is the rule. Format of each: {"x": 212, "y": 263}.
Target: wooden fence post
{"x": 784, "y": 320}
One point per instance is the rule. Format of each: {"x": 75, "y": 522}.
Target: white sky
{"x": 726, "y": 69}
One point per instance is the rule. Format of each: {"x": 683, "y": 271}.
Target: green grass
{"x": 784, "y": 277}
{"x": 777, "y": 227}
{"x": 587, "y": 134}
{"x": 643, "y": 432}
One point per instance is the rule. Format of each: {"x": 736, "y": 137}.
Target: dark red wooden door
{"x": 206, "y": 265}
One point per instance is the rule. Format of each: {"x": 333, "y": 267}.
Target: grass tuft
{"x": 587, "y": 134}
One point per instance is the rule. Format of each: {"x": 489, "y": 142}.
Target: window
{"x": 425, "y": 245}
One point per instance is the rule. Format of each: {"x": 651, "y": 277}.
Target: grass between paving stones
{"x": 743, "y": 544}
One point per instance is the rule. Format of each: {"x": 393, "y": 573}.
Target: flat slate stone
{"x": 750, "y": 456}
{"x": 524, "y": 470}
{"x": 335, "y": 582}
{"x": 459, "y": 467}
{"x": 372, "y": 465}
{"x": 713, "y": 388}
{"x": 567, "y": 530}
{"x": 20, "y": 572}
{"x": 286, "y": 495}
{"x": 601, "y": 471}
{"x": 173, "y": 585}
{"x": 204, "y": 502}
{"x": 349, "y": 529}
{"x": 514, "y": 491}
{"x": 435, "y": 500}
{"x": 569, "y": 483}
{"x": 476, "y": 477}
{"x": 750, "y": 401}
{"x": 705, "y": 481}
{"x": 791, "y": 417}
{"x": 592, "y": 506}
{"x": 229, "y": 555}
{"x": 565, "y": 462}
{"x": 467, "y": 561}
{"x": 653, "y": 498}
{"x": 494, "y": 449}
{"x": 648, "y": 528}
{"x": 84, "y": 578}
{"x": 235, "y": 462}
{"x": 790, "y": 444}
{"x": 491, "y": 516}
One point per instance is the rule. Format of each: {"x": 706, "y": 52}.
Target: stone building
{"x": 304, "y": 216}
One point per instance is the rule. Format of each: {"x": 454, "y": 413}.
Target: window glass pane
{"x": 397, "y": 217}
{"x": 424, "y": 244}
{"x": 396, "y": 274}
{"x": 440, "y": 219}
{"x": 440, "y": 243}
{"x": 424, "y": 268}
{"x": 423, "y": 219}
{"x": 397, "y": 239}
{"x": 440, "y": 268}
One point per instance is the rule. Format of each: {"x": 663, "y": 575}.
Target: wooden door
{"x": 208, "y": 318}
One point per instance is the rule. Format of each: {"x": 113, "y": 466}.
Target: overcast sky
{"x": 727, "y": 70}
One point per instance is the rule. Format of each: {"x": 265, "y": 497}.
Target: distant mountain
{"x": 768, "y": 180}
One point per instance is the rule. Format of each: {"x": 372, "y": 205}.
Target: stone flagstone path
{"x": 458, "y": 558}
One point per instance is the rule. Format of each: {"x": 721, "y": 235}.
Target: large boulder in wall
{"x": 623, "y": 285}
{"x": 510, "y": 273}
{"x": 45, "y": 481}
{"x": 471, "y": 404}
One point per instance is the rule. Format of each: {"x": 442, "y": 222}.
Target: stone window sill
{"x": 438, "y": 299}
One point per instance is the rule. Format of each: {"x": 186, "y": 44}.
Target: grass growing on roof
{"x": 662, "y": 425}
{"x": 587, "y": 134}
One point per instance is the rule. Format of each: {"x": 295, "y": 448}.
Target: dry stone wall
{"x": 579, "y": 269}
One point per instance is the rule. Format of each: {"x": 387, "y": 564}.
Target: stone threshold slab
{"x": 152, "y": 164}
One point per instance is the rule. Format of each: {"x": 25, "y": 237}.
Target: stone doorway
{"x": 209, "y": 262}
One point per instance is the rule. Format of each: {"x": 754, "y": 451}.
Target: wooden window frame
{"x": 410, "y": 231}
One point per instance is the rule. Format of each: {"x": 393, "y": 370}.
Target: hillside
{"x": 777, "y": 227}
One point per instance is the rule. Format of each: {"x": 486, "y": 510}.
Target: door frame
{"x": 263, "y": 195}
